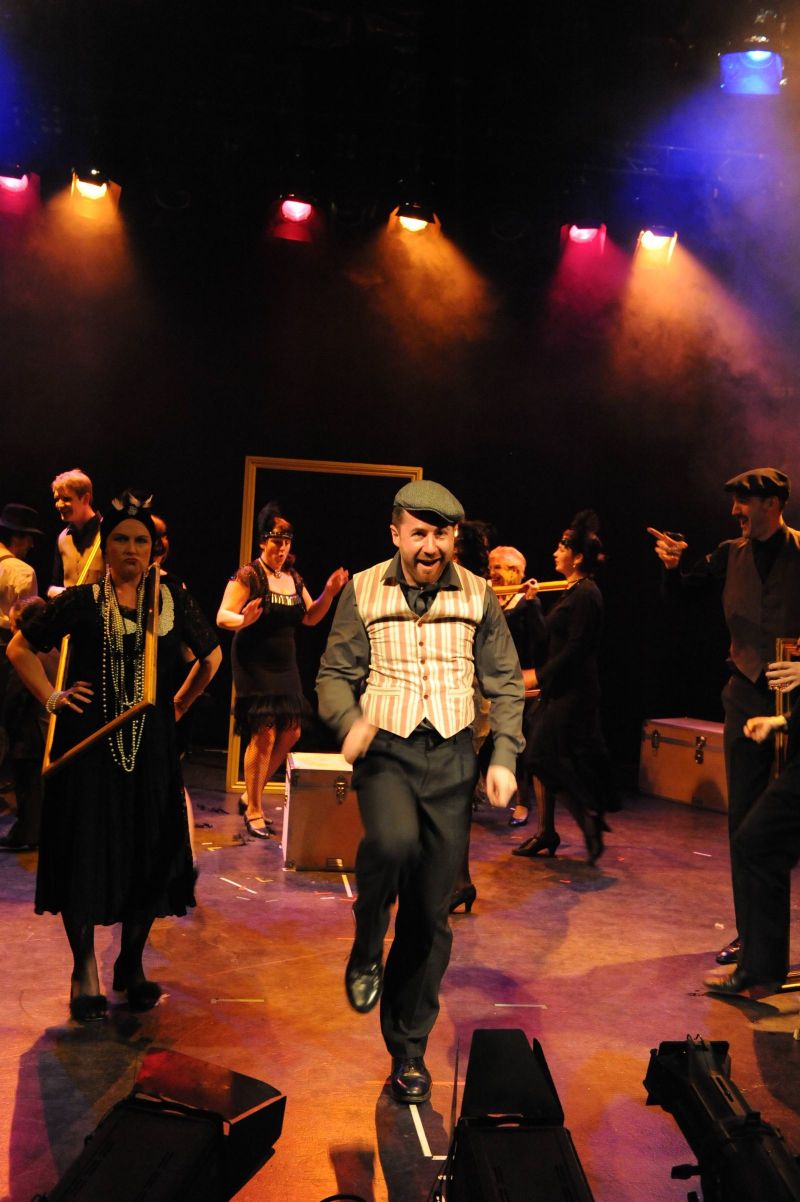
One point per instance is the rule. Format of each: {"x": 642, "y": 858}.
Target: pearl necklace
{"x": 123, "y": 692}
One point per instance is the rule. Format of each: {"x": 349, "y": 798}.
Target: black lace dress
{"x": 114, "y": 844}
{"x": 269, "y": 692}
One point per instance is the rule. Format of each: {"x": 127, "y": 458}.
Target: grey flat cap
{"x": 428, "y": 497}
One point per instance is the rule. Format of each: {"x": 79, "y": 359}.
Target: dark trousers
{"x": 766, "y": 847}
{"x": 415, "y": 796}
{"x": 748, "y": 766}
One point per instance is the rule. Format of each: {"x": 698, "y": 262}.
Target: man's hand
{"x": 357, "y": 740}
{"x": 784, "y": 675}
{"x": 668, "y": 550}
{"x": 759, "y": 729}
{"x": 501, "y": 785}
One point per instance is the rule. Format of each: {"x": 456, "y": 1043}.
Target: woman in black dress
{"x": 565, "y": 748}
{"x": 264, "y": 603}
{"x": 115, "y": 840}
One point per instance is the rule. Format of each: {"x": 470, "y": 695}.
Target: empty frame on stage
{"x": 341, "y": 514}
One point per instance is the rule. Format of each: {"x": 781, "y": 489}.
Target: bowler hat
{"x": 761, "y": 482}
{"x": 427, "y": 497}
{"x": 19, "y": 519}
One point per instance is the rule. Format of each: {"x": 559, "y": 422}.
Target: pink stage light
{"x": 13, "y": 183}
{"x": 584, "y": 234}
{"x": 293, "y": 209}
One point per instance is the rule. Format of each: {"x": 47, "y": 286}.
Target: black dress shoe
{"x": 514, "y": 821}
{"x": 410, "y": 1080}
{"x": 741, "y": 981}
{"x": 730, "y": 952}
{"x": 9, "y": 843}
{"x": 363, "y": 984}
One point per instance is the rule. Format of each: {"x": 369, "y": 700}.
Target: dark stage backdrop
{"x": 166, "y": 365}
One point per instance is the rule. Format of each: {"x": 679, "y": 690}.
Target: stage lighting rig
{"x": 588, "y": 236}
{"x": 740, "y": 1157}
{"x": 752, "y": 64}
{"x": 656, "y": 244}
{"x": 93, "y": 194}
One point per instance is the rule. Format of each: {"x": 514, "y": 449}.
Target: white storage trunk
{"x": 321, "y": 822}
{"x": 682, "y": 759}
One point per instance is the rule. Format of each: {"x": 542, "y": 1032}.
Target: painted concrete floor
{"x": 600, "y": 965}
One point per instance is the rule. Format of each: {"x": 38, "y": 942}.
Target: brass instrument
{"x": 153, "y": 594}
{"x": 544, "y": 586}
{"x": 784, "y": 649}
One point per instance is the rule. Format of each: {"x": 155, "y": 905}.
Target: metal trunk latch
{"x": 655, "y": 739}
{"x": 340, "y": 787}
{"x": 699, "y": 745}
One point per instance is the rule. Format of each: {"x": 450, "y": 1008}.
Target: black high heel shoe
{"x": 593, "y": 834}
{"x": 142, "y": 995}
{"x": 257, "y": 832}
{"x": 515, "y": 821}
{"x": 88, "y": 1007}
{"x": 538, "y": 843}
{"x": 464, "y": 896}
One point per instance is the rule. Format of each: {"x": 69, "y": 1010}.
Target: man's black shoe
{"x": 10, "y": 843}
{"x": 363, "y": 984}
{"x": 730, "y": 952}
{"x": 740, "y": 982}
{"x": 410, "y": 1080}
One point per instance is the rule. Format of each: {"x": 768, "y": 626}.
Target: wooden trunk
{"x": 321, "y": 821}
{"x": 682, "y": 759}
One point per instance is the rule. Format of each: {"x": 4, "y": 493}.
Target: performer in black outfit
{"x": 767, "y": 847}
{"x": 759, "y": 576}
{"x": 564, "y": 748}
{"x": 115, "y": 841}
{"x": 264, "y": 603}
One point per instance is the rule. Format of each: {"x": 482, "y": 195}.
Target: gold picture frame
{"x": 52, "y": 763}
{"x": 253, "y": 465}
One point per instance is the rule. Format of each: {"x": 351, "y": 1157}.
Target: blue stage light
{"x": 751, "y": 73}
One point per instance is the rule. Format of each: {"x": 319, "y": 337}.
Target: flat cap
{"x": 427, "y": 497}
{"x": 760, "y": 482}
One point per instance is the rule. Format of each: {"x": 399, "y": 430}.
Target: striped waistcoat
{"x": 420, "y": 666}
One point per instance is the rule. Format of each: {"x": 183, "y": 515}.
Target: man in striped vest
{"x": 396, "y": 683}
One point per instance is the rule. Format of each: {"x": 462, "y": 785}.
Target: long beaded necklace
{"x": 119, "y": 692}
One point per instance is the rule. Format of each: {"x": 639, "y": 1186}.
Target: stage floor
{"x": 600, "y": 965}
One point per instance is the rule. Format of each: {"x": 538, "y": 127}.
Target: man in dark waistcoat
{"x": 768, "y": 847}
{"x": 759, "y": 574}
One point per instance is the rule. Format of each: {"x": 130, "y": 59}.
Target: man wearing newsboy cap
{"x": 414, "y": 633}
{"x": 759, "y": 575}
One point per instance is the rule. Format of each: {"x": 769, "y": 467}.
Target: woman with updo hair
{"x": 263, "y": 604}
{"x": 565, "y": 749}
{"x": 115, "y": 844}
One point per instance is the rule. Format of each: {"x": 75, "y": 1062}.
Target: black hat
{"x": 131, "y": 503}
{"x": 426, "y": 497}
{"x": 761, "y": 482}
{"x": 19, "y": 519}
